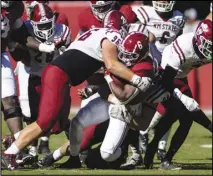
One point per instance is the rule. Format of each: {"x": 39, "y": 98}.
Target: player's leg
{"x": 198, "y": 116}
{"x": 95, "y": 112}
{"x": 55, "y": 83}
{"x": 92, "y": 135}
{"x": 135, "y": 159}
{"x": 116, "y": 133}
{"x": 11, "y": 107}
{"x": 160, "y": 129}
{"x": 181, "y": 133}
{"x": 162, "y": 145}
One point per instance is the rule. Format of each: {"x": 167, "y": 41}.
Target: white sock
{"x": 13, "y": 149}
{"x": 33, "y": 150}
{"x": 57, "y": 155}
{"x": 17, "y": 135}
{"x": 154, "y": 121}
{"x": 44, "y": 138}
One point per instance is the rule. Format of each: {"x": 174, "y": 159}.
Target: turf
{"x": 193, "y": 159}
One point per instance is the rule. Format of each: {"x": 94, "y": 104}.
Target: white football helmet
{"x": 163, "y": 6}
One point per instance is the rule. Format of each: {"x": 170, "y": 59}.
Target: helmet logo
{"x": 203, "y": 28}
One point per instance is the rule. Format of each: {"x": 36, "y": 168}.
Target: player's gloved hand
{"x": 85, "y": 93}
{"x": 46, "y": 47}
{"x": 143, "y": 83}
{"x": 188, "y": 102}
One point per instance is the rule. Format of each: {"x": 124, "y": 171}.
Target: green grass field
{"x": 193, "y": 159}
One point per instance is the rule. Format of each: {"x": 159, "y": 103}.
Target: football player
{"x": 88, "y": 53}
{"x": 23, "y": 75}
{"x": 47, "y": 31}
{"x": 164, "y": 25}
{"x": 178, "y": 60}
{"x": 60, "y": 18}
{"x": 14, "y": 30}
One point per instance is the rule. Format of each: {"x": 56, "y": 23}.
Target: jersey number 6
{"x": 163, "y": 39}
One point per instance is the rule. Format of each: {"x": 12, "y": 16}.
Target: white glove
{"x": 188, "y": 102}
{"x": 120, "y": 112}
{"x": 46, "y": 47}
{"x": 143, "y": 83}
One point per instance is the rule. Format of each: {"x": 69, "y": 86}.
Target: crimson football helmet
{"x": 43, "y": 21}
{"x": 6, "y": 4}
{"x": 133, "y": 48}
{"x": 203, "y": 38}
{"x": 101, "y": 8}
{"x": 31, "y": 4}
{"x": 116, "y": 20}
{"x": 163, "y": 6}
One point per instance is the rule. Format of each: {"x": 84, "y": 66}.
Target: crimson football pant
{"x": 93, "y": 134}
{"x": 74, "y": 67}
{"x": 54, "y": 104}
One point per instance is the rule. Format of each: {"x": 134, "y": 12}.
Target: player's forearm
{"x": 120, "y": 70}
{"x": 123, "y": 94}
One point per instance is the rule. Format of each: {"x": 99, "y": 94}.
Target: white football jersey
{"x": 61, "y": 37}
{"x": 165, "y": 31}
{"x": 90, "y": 41}
{"x": 181, "y": 55}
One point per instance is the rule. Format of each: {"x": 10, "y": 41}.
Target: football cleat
{"x": 8, "y": 161}
{"x": 72, "y": 163}
{"x": 132, "y": 162}
{"x": 47, "y": 161}
{"x": 25, "y": 159}
{"x": 166, "y": 165}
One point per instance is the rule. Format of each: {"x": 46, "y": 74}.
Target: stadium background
{"x": 200, "y": 80}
